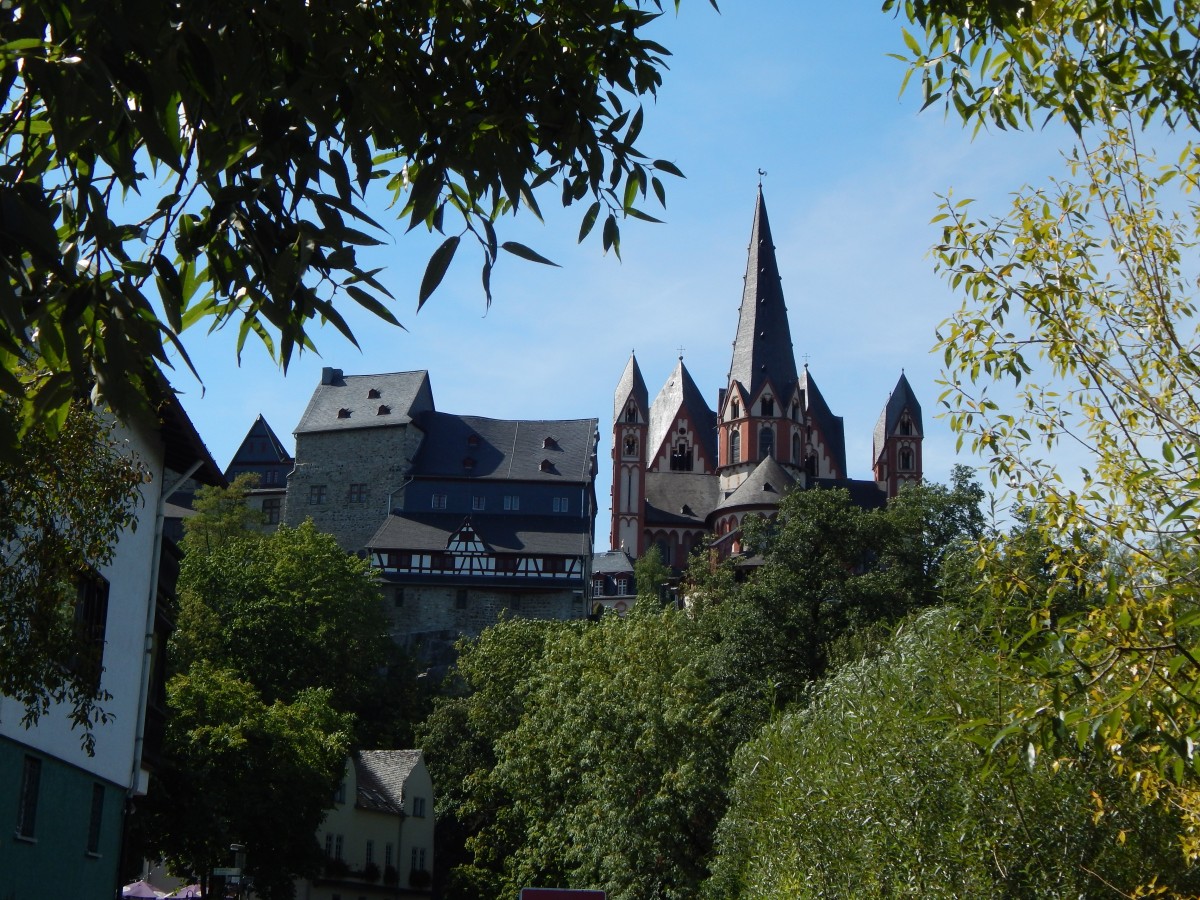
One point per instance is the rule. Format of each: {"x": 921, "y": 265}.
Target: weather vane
{"x": 761, "y": 173}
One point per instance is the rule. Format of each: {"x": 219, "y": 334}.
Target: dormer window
{"x": 373, "y": 394}
{"x": 468, "y": 463}
{"x": 472, "y": 440}
{"x": 549, "y": 443}
{"x": 384, "y": 410}
{"x": 546, "y": 466}
{"x": 343, "y": 413}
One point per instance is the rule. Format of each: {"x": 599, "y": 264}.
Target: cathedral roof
{"x": 901, "y": 398}
{"x": 631, "y": 383}
{"x": 765, "y": 486}
{"x": 680, "y": 394}
{"x": 680, "y": 498}
{"x": 762, "y": 350}
{"x": 342, "y": 403}
{"x": 508, "y": 449}
{"x": 831, "y": 426}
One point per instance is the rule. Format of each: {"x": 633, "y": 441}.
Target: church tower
{"x": 761, "y": 411}
{"x": 631, "y": 415}
{"x": 897, "y": 442}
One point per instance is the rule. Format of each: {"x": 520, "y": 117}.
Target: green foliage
{"x": 870, "y": 791}
{"x": 1006, "y": 62}
{"x": 252, "y": 136}
{"x": 651, "y": 576}
{"x": 1080, "y": 303}
{"x": 221, "y": 514}
{"x": 282, "y": 664}
{"x": 65, "y": 498}
{"x": 239, "y": 769}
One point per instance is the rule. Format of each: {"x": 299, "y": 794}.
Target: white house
{"x": 62, "y": 811}
{"x": 378, "y": 837}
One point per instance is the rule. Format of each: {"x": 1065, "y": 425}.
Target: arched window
{"x": 631, "y": 446}
{"x": 810, "y": 464}
{"x": 766, "y": 442}
{"x": 905, "y": 426}
{"x": 768, "y": 406}
{"x": 906, "y": 459}
{"x": 681, "y": 457}
{"x": 735, "y": 410}
{"x": 796, "y": 449}
{"x": 631, "y": 413}
{"x": 735, "y": 446}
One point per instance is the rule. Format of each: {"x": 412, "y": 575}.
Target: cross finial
{"x": 805, "y": 358}
{"x": 681, "y": 353}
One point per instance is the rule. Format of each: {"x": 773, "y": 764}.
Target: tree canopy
{"x": 200, "y": 165}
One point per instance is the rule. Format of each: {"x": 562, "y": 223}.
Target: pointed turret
{"x": 262, "y": 452}
{"x": 762, "y": 350}
{"x": 681, "y": 405}
{"x": 899, "y": 434}
{"x": 631, "y": 416}
{"x": 631, "y": 387}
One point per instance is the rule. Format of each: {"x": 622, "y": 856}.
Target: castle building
{"x": 262, "y": 453}
{"x": 683, "y": 471}
{"x": 463, "y": 517}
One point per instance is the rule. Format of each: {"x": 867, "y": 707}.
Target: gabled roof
{"x": 346, "y": 402}
{"x": 631, "y": 385}
{"x": 612, "y": 562}
{"x": 476, "y": 447}
{"x": 261, "y": 446}
{"x": 680, "y": 394}
{"x": 765, "y": 486}
{"x": 507, "y": 533}
{"x": 762, "y": 350}
{"x": 182, "y": 445}
{"x": 900, "y": 399}
{"x": 831, "y": 426}
{"x": 380, "y": 777}
{"x": 680, "y": 498}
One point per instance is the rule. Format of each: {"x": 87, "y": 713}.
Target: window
{"x": 271, "y": 477}
{"x": 316, "y": 494}
{"x": 906, "y": 459}
{"x": 512, "y": 501}
{"x": 631, "y": 446}
{"x": 622, "y": 584}
{"x": 460, "y": 598}
{"x": 343, "y": 413}
{"x": 681, "y": 458}
{"x": 439, "y": 501}
{"x": 478, "y": 503}
{"x": 735, "y": 410}
{"x": 91, "y": 622}
{"x": 631, "y": 414}
{"x": 329, "y": 846}
{"x": 339, "y": 795}
{"x": 357, "y": 493}
{"x": 27, "y": 802}
{"x": 271, "y": 508}
{"x": 766, "y": 442}
{"x": 384, "y": 410}
{"x": 373, "y": 394}
{"x": 387, "y": 856}
{"x": 337, "y": 846}
{"x": 768, "y": 406}
{"x": 796, "y": 449}
{"x": 370, "y": 855}
{"x": 96, "y": 820}
{"x": 561, "y": 504}
{"x": 419, "y": 807}
{"x": 905, "y": 427}
{"x": 735, "y": 446}
{"x": 398, "y": 597}
{"x": 795, "y": 411}
{"x": 418, "y": 858}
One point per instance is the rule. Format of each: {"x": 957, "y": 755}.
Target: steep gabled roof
{"x": 680, "y": 394}
{"x": 765, "y": 486}
{"x": 528, "y": 534}
{"x": 345, "y": 402}
{"x": 380, "y": 777}
{"x": 612, "y": 562}
{"x": 506, "y": 449}
{"x": 831, "y": 426}
{"x": 631, "y": 385}
{"x": 901, "y": 398}
{"x": 260, "y": 447}
{"x": 762, "y": 350}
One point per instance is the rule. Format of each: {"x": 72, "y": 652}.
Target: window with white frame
{"x": 512, "y": 501}
{"x": 478, "y": 503}
{"x": 561, "y": 504}
{"x": 418, "y": 807}
{"x": 439, "y": 501}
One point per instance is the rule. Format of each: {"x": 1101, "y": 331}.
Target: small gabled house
{"x": 378, "y": 835}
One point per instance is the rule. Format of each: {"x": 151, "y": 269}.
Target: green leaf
{"x": 436, "y": 269}
{"x": 525, "y": 253}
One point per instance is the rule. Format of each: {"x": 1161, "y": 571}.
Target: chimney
{"x": 330, "y": 375}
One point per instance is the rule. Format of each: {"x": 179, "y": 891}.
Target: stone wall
{"x": 361, "y": 470}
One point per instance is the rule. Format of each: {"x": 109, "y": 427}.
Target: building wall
{"x": 379, "y": 459}
{"x": 431, "y": 610}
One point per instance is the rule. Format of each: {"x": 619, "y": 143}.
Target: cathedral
{"x": 683, "y": 472}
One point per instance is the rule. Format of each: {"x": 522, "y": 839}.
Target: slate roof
{"x": 762, "y": 349}
{"x": 864, "y": 494}
{"x": 612, "y": 562}
{"x": 680, "y": 498}
{"x": 507, "y": 533}
{"x": 765, "y": 486}
{"x": 631, "y": 383}
{"x": 250, "y": 454}
{"x": 681, "y": 394}
{"x": 380, "y": 777}
{"x": 506, "y": 449}
{"x": 349, "y": 401}
{"x": 902, "y": 396}
{"x": 182, "y": 445}
{"x": 830, "y": 425}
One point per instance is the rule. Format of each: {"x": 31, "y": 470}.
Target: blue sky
{"x": 804, "y": 90}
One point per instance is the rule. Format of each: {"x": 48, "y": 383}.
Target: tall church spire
{"x": 763, "y": 348}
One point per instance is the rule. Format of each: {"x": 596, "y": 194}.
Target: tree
{"x": 1005, "y": 62}
{"x": 64, "y": 500}
{"x": 870, "y": 790}
{"x": 1080, "y": 308}
{"x": 221, "y": 514}
{"x": 281, "y": 664}
{"x": 251, "y": 137}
